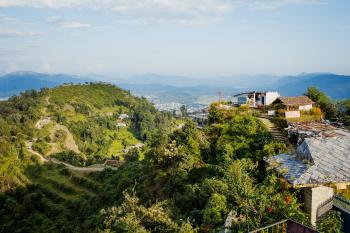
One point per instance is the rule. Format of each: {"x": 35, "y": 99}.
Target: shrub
{"x": 281, "y": 122}
{"x": 60, "y": 136}
{"x": 331, "y": 223}
{"x": 42, "y": 147}
{"x": 70, "y": 157}
{"x": 274, "y": 148}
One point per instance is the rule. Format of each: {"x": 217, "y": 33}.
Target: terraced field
{"x": 67, "y": 184}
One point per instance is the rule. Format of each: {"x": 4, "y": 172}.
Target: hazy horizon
{"x": 127, "y": 76}
{"x": 187, "y": 38}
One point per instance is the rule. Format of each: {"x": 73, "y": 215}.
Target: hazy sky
{"x": 183, "y": 37}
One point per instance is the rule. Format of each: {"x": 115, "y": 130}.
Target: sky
{"x": 180, "y": 37}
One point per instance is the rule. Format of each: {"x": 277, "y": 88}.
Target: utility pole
{"x": 221, "y": 96}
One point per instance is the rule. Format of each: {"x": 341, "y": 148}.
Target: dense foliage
{"x": 330, "y": 223}
{"x": 81, "y": 126}
{"x": 338, "y": 111}
{"x": 183, "y": 180}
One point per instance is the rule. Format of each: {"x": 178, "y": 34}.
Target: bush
{"x": 256, "y": 113}
{"x": 60, "y": 136}
{"x": 274, "y": 148}
{"x": 64, "y": 188}
{"x": 42, "y": 147}
{"x": 70, "y": 157}
{"x": 280, "y": 122}
{"x": 331, "y": 223}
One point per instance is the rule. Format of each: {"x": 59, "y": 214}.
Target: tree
{"x": 322, "y": 100}
{"x": 183, "y": 110}
{"x": 130, "y": 216}
{"x": 215, "y": 210}
{"x": 331, "y": 223}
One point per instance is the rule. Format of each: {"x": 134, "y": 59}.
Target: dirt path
{"x": 69, "y": 141}
{"x": 30, "y": 149}
{"x": 47, "y": 100}
{"x": 92, "y": 168}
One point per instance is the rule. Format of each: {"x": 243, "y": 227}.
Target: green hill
{"x": 182, "y": 180}
{"x": 74, "y": 123}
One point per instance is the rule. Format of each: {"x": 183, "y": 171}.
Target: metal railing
{"x": 278, "y": 227}
{"x": 324, "y": 207}
{"x": 290, "y": 226}
{"x": 342, "y": 203}
{"x": 285, "y": 226}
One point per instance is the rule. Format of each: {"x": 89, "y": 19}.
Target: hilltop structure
{"x": 301, "y": 103}
{"x": 255, "y": 98}
{"x": 293, "y": 105}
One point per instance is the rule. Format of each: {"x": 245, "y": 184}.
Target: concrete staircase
{"x": 274, "y": 130}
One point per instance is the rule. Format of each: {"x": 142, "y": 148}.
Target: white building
{"x": 123, "y": 116}
{"x": 255, "y": 99}
{"x": 121, "y": 124}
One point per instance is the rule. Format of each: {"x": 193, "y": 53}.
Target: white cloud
{"x": 6, "y": 32}
{"x": 188, "y": 12}
{"x": 72, "y": 24}
{"x": 275, "y": 4}
{"x": 5, "y": 18}
{"x": 66, "y": 24}
{"x": 128, "y": 6}
{"x": 180, "y": 11}
{"x": 125, "y": 6}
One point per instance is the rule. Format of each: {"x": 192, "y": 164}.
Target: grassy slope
{"x": 81, "y": 106}
{"x": 84, "y": 109}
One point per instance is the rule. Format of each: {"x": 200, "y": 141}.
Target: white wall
{"x": 292, "y": 114}
{"x": 313, "y": 198}
{"x": 305, "y": 107}
{"x": 271, "y": 96}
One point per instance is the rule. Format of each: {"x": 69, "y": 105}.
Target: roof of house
{"x": 111, "y": 162}
{"x": 320, "y": 160}
{"x": 254, "y": 92}
{"x": 123, "y": 116}
{"x": 295, "y": 100}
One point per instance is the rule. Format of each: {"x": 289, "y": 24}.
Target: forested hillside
{"x": 76, "y": 123}
{"x": 182, "y": 180}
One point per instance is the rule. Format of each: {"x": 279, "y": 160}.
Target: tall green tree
{"x": 322, "y": 100}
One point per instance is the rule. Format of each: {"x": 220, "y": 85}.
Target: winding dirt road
{"x": 92, "y": 168}
{"x": 69, "y": 143}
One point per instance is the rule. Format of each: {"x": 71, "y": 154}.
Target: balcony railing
{"x": 324, "y": 207}
{"x": 285, "y": 226}
{"x": 342, "y": 203}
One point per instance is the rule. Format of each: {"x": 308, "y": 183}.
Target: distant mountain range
{"x": 335, "y": 86}
{"x": 14, "y": 83}
{"x": 185, "y": 89}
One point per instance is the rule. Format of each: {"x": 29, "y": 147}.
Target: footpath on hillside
{"x": 91, "y": 168}
{"x": 276, "y": 132}
{"x": 69, "y": 144}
